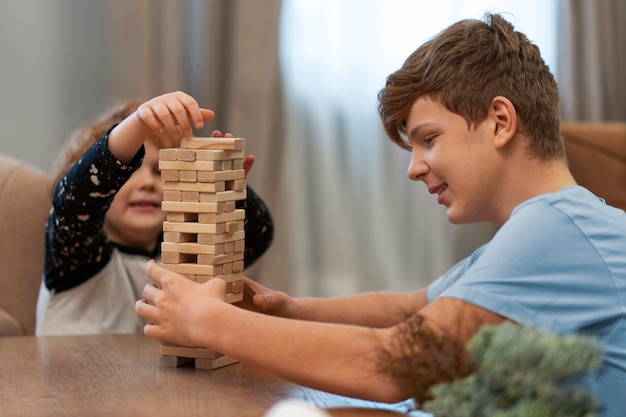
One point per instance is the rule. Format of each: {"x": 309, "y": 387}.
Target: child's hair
{"x": 464, "y": 68}
{"x": 89, "y": 134}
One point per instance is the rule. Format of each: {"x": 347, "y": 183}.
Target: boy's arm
{"x": 372, "y": 309}
{"x": 339, "y": 358}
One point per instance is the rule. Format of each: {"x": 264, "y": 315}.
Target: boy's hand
{"x": 259, "y": 298}
{"x": 174, "y": 113}
{"x": 176, "y": 308}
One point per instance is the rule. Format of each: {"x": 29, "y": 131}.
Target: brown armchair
{"x": 597, "y": 158}
{"x": 25, "y": 199}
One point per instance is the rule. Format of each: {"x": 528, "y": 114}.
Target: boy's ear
{"x": 505, "y": 118}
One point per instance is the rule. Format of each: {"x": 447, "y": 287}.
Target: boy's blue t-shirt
{"x": 558, "y": 263}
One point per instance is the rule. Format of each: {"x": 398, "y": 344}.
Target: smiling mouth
{"x": 439, "y": 190}
{"x": 145, "y": 205}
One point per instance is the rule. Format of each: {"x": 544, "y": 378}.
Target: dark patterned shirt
{"x": 76, "y": 245}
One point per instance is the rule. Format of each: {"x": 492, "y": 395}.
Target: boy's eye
{"x": 428, "y": 139}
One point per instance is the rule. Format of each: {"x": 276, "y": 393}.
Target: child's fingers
{"x": 174, "y": 113}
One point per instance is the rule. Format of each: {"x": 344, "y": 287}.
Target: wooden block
{"x": 169, "y": 175}
{"x": 181, "y": 207}
{"x": 178, "y": 237}
{"x": 229, "y": 247}
{"x": 168, "y": 154}
{"x": 240, "y": 245}
{"x": 235, "y": 286}
{"x": 185, "y": 154}
{"x": 191, "y": 165}
{"x": 238, "y": 163}
{"x": 190, "y": 247}
{"x": 190, "y": 196}
{"x": 238, "y": 266}
{"x": 214, "y": 363}
{"x": 174, "y": 361}
{"x": 213, "y": 239}
{"x": 235, "y": 276}
{"x": 192, "y": 269}
{"x": 188, "y": 176}
{"x": 234, "y": 226}
{"x": 234, "y": 297}
{"x": 238, "y": 214}
{"x": 196, "y": 228}
{"x": 170, "y": 258}
{"x": 219, "y": 155}
{"x": 237, "y": 185}
{"x": 213, "y": 143}
{"x": 222, "y": 196}
{"x": 202, "y": 187}
{"x": 181, "y": 217}
{"x": 214, "y": 176}
{"x": 207, "y": 259}
{"x": 189, "y": 352}
{"x": 169, "y": 195}
{"x": 229, "y": 206}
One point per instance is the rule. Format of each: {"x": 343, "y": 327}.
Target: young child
{"x": 107, "y": 221}
{"x": 478, "y": 109}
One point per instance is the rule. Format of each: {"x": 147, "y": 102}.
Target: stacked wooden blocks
{"x": 203, "y": 234}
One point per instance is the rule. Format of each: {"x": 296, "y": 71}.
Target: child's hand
{"x": 248, "y": 162}
{"x": 174, "y": 113}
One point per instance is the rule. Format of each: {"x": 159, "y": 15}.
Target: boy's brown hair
{"x": 464, "y": 68}
{"x": 86, "y": 136}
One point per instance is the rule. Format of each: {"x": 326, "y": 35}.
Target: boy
{"x": 478, "y": 109}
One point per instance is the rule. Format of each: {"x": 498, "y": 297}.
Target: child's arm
{"x": 173, "y": 113}
{"x": 76, "y": 247}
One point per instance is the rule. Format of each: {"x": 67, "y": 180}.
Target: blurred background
{"x": 298, "y": 79}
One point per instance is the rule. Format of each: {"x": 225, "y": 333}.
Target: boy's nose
{"x": 417, "y": 168}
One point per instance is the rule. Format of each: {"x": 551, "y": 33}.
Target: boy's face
{"x": 458, "y": 164}
{"x": 135, "y": 218}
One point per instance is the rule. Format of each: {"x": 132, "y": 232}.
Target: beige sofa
{"x": 597, "y": 157}
{"x": 25, "y": 194}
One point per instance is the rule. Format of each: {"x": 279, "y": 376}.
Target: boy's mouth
{"x": 439, "y": 190}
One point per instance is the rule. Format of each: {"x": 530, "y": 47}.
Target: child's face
{"x": 135, "y": 218}
{"x": 456, "y": 163}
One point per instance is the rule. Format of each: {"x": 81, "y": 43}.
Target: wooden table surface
{"x": 120, "y": 375}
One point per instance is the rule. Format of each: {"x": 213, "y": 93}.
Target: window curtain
{"x": 356, "y": 222}
{"x": 301, "y": 85}
{"x": 225, "y": 54}
{"x": 592, "y": 36}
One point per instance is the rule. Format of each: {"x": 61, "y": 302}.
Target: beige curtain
{"x": 225, "y": 54}
{"x": 592, "y": 59}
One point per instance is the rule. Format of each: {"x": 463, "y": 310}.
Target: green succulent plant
{"x": 520, "y": 372}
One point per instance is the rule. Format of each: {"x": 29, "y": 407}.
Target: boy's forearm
{"x": 337, "y": 358}
{"x": 372, "y": 309}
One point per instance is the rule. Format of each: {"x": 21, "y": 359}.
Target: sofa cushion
{"x": 25, "y": 200}
{"x": 597, "y": 158}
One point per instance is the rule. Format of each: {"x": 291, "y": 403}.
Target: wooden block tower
{"x": 203, "y": 234}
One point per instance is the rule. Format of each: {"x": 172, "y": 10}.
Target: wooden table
{"x": 120, "y": 375}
